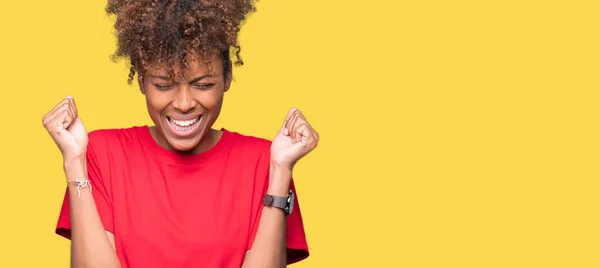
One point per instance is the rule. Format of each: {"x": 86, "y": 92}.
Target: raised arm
{"x": 294, "y": 140}
{"x": 91, "y": 245}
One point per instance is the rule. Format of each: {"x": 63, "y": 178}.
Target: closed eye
{"x": 163, "y": 87}
{"x": 203, "y": 85}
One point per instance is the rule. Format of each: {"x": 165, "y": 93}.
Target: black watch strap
{"x": 275, "y": 201}
{"x": 281, "y": 202}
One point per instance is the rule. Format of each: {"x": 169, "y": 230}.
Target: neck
{"x": 207, "y": 142}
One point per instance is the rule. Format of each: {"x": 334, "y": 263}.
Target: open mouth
{"x": 183, "y": 127}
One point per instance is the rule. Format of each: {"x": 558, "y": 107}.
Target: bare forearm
{"x": 90, "y": 245}
{"x": 269, "y": 247}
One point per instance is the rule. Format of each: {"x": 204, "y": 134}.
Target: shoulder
{"x": 113, "y": 134}
{"x": 102, "y": 140}
{"x": 248, "y": 141}
{"x": 249, "y": 144}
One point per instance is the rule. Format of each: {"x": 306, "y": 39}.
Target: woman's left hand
{"x": 295, "y": 139}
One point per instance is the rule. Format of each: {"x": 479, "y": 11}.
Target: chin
{"x": 184, "y": 146}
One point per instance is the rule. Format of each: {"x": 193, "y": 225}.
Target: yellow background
{"x": 454, "y": 133}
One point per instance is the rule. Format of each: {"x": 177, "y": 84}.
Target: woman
{"x": 179, "y": 193}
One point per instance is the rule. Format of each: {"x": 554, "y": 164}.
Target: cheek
{"x": 155, "y": 106}
{"x": 212, "y": 101}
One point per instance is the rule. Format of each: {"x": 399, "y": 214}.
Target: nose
{"x": 184, "y": 101}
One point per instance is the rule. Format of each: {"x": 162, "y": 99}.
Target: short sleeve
{"x": 297, "y": 247}
{"x": 100, "y": 186}
{"x": 296, "y": 244}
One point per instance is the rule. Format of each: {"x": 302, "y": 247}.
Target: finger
{"x": 290, "y": 113}
{"x": 286, "y": 125}
{"x": 74, "y": 110}
{"x": 292, "y": 125}
{"x": 63, "y": 107}
{"x": 63, "y": 101}
{"x": 59, "y": 124}
{"x": 303, "y": 132}
{"x": 315, "y": 139}
{"x": 289, "y": 122}
{"x": 297, "y": 121}
{"x": 59, "y": 109}
{"x": 67, "y": 120}
{"x": 58, "y": 106}
{"x": 70, "y": 109}
{"x": 309, "y": 136}
{"x": 306, "y": 141}
{"x": 298, "y": 114}
{"x": 57, "y": 128}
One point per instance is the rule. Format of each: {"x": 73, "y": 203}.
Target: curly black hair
{"x": 165, "y": 32}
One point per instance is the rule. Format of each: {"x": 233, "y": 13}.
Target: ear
{"x": 141, "y": 83}
{"x": 228, "y": 77}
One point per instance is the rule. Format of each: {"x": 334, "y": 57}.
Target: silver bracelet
{"x": 82, "y": 184}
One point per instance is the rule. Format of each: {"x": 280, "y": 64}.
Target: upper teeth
{"x": 184, "y": 123}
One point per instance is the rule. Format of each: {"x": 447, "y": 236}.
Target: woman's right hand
{"x": 67, "y": 130}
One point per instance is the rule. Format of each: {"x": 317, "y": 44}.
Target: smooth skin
{"x": 199, "y": 95}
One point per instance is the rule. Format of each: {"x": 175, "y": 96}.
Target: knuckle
{"x": 55, "y": 131}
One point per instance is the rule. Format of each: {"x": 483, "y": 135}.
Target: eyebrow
{"x": 166, "y": 78}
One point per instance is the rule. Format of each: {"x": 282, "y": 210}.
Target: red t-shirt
{"x": 175, "y": 210}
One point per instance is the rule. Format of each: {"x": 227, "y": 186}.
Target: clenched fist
{"x": 66, "y": 129}
{"x": 295, "y": 139}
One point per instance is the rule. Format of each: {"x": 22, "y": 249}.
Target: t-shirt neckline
{"x": 178, "y": 157}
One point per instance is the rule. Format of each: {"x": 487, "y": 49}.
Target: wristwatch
{"x": 286, "y": 203}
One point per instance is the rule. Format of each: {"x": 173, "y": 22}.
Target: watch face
{"x": 290, "y": 202}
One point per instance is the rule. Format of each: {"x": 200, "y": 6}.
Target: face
{"x": 185, "y": 109}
